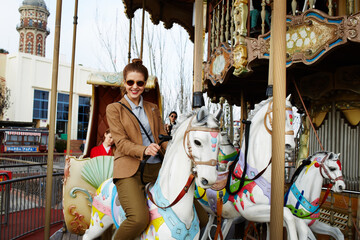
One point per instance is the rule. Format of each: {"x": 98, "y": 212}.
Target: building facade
{"x": 29, "y": 79}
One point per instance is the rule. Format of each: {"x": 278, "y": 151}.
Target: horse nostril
{"x": 341, "y": 187}
{"x": 287, "y": 146}
{"x": 204, "y": 181}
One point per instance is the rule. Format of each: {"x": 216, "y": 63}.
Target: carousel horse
{"x": 251, "y": 198}
{"x": 191, "y": 154}
{"x": 227, "y": 155}
{"x": 303, "y": 196}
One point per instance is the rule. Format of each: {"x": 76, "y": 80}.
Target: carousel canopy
{"x": 168, "y": 11}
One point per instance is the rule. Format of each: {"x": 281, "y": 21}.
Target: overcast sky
{"x": 88, "y": 48}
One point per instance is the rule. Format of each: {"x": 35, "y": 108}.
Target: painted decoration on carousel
{"x": 309, "y": 37}
{"x": 220, "y": 62}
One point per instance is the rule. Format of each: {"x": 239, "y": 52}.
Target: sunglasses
{"x": 173, "y": 116}
{"x": 138, "y": 83}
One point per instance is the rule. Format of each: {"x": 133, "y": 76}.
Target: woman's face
{"x": 108, "y": 141}
{"x": 132, "y": 82}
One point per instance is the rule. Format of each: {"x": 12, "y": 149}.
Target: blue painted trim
{"x": 287, "y": 63}
{"x": 314, "y": 58}
{"x": 336, "y": 42}
{"x": 303, "y": 201}
{"x": 177, "y": 227}
{"x": 315, "y": 15}
{"x": 266, "y": 54}
{"x": 335, "y": 21}
{"x": 265, "y": 38}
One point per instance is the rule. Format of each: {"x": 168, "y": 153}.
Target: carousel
{"x": 308, "y": 53}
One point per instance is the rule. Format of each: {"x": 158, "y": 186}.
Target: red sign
{"x": 4, "y": 177}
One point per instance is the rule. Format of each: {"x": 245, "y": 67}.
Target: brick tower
{"x": 33, "y": 27}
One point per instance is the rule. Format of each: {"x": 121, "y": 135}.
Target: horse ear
{"x": 288, "y": 97}
{"x": 218, "y": 114}
{"x": 201, "y": 114}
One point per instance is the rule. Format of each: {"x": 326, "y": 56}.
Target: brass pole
{"x": 142, "y": 30}
{"x": 198, "y": 55}
{"x": 72, "y": 80}
{"x": 269, "y": 90}
{"x": 129, "y": 53}
{"x": 278, "y": 133}
{"x": 55, "y": 69}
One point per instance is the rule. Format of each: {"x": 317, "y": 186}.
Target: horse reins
{"x": 267, "y": 115}
{"x": 195, "y": 163}
{"x": 178, "y": 198}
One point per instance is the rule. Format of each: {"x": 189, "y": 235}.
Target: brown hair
{"x": 136, "y": 66}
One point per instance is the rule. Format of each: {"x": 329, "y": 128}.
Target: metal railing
{"x": 22, "y": 205}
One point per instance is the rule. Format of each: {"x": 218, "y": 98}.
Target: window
{"x": 40, "y": 107}
{"x": 39, "y": 49}
{"x": 29, "y": 47}
{"x": 62, "y": 113}
{"x": 30, "y": 22}
{"x": 83, "y": 117}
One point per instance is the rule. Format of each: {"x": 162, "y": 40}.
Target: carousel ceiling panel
{"x": 167, "y": 11}
{"x": 309, "y": 37}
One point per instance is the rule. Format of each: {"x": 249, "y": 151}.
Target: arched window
{"x": 39, "y": 49}
{"x": 29, "y": 47}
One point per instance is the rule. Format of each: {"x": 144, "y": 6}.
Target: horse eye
{"x": 332, "y": 169}
{"x": 197, "y": 143}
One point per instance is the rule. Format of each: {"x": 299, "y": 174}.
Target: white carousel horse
{"x": 303, "y": 196}
{"x": 227, "y": 156}
{"x": 192, "y": 152}
{"x": 252, "y": 202}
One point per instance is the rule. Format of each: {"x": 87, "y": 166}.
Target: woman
{"x": 105, "y": 148}
{"x": 172, "y": 119}
{"x": 133, "y": 146}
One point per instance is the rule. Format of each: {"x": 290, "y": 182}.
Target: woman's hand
{"x": 152, "y": 149}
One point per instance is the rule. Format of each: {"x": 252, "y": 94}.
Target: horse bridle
{"x": 323, "y": 169}
{"x": 192, "y": 176}
{"x": 267, "y": 115}
{"x": 211, "y": 162}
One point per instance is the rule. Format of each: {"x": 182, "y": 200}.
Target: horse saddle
{"x": 220, "y": 181}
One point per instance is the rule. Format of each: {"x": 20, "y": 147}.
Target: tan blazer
{"x": 125, "y": 130}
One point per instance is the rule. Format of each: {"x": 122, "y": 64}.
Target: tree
{"x": 4, "y": 99}
{"x": 3, "y": 51}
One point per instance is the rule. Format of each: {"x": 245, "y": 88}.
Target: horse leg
{"x": 208, "y": 227}
{"x": 323, "y": 228}
{"x": 226, "y": 226}
{"x": 97, "y": 226}
{"x": 304, "y": 232}
{"x": 289, "y": 220}
{"x": 261, "y": 213}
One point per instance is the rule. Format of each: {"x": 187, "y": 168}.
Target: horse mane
{"x": 258, "y": 107}
{"x": 304, "y": 163}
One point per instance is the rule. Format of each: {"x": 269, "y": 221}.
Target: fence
{"x": 22, "y": 205}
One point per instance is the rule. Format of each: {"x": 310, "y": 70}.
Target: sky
{"x": 87, "y": 46}
{"x": 101, "y": 18}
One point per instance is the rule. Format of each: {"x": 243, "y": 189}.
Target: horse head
{"x": 261, "y": 130}
{"x": 227, "y": 153}
{"x": 330, "y": 168}
{"x": 199, "y": 136}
